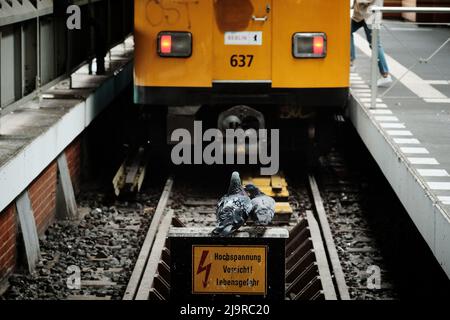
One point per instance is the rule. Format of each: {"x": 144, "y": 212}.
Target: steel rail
{"x": 328, "y": 240}
{"x": 318, "y": 245}
{"x": 145, "y": 253}
{"x": 326, "y": 278}
{"x": 148, "y": 277}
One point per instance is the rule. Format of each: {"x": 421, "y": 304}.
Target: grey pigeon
{"x": 263, "y": 206}
{"x": 233, "y": 209}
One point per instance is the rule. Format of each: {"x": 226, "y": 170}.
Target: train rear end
{"x": 235, "y": 60}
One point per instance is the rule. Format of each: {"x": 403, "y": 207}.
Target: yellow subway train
{"x": 257, "y": 53}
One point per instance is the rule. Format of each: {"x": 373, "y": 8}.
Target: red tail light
{"x": 309, "y": 45}
{"x": 318, "y": 45}
{"x": 166, "y": 44}
{"x": 174, "y": 44}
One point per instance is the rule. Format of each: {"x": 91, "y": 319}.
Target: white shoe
{"x": 384, "y": 82}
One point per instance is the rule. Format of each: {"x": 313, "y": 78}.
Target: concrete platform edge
{"x": 429, "y": 217}
{"x": 26, "y": 165}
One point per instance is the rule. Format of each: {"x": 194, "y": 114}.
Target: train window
{"x": 173, "y": 44}
{"x": 309, "y": 45}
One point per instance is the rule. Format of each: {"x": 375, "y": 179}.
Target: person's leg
{"x": 352, "y": 48}
{"x": 386, "y": 80}
{"x": 354, "y": 27}
{"x": 382, "y": 64}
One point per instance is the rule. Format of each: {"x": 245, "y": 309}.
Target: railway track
{"x": 356, "y": 229}
{"x": 313, "y": 269}
{"x": 327, "y": 254}
{"x": 322, "y": 262}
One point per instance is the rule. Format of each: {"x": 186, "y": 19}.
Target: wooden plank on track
{"x": 142, "y": 259}
{"x": 146, "y": 285}
{"x": 119, "y": 180}
{"x": 329, "y": 241}
{"x": 321, "y": 258}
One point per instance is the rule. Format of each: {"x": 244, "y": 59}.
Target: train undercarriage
{"x": 243, "y": 134}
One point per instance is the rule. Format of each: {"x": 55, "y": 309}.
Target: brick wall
{"x": 73, "y": 156}
{"x": 42, "y": 192}
{"x": 43, "y": 189}
{"x": 8, "y": 231}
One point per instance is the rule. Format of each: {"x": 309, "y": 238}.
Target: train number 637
{"x": 241, "y": 60}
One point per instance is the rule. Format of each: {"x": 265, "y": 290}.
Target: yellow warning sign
{"x": 229, "y": 270}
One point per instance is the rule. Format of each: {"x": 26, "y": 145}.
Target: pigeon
{"x": 263, "y": 206}
{"x": 233, "y": 209}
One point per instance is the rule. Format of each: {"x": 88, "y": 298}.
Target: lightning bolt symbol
{"x": 206, "y": 268}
